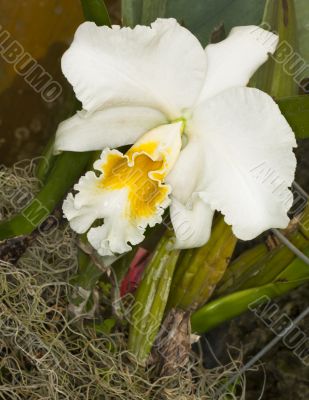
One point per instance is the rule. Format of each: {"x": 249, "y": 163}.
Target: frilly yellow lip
{"x": 142, "y": 170}
{"x": 145, "y": 191}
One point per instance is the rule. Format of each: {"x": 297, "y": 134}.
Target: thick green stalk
{"x": 266, "y": 271}
{"x": 186, "y": 269}
{"x": 251, "y": 270}
{"x": 151, "y": 297}
{"x": 198, "y": 273}
{"x": 239, "y": 267}
{"x": 232, "y": 305}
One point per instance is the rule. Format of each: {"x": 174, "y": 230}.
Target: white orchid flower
{"x": 203, "y": 140}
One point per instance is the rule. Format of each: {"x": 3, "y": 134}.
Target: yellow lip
{"x": 142, "y": 170}
{"x": 142, "y": 177}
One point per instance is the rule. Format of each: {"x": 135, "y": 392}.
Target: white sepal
{"x": 147, "y": 66}
{"x": 110, "y": 127}
{"x": 191, "y": 222}
{"x": 249, "y": 163}
{"x": 233, "y": 61}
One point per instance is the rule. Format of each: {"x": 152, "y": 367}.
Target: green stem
{"x": 187, "y": 268}
{"x": 239, "y": 267}
{"x": 267, "y": 270}
{"x": 151, "y": 298}
{"x": 201, "y": 269}
{"x": 258, "y": 266}
{"x": 225, "y": 308}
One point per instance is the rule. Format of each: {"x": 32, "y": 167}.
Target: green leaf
{"x": 199, "y": 16}
{"x": 302, "y": 14}
{"x": 131, "y": 12}
{"x": 296, "y": 111}
{"x": 225, "y": 308}
{"x": 96, "y": 11}
{"x": 46, "y": 161}
{"x": 277, "y": 76}
{"x": 152, "y": 10}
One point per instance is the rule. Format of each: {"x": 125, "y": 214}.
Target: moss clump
{"x": 47, "y": 354}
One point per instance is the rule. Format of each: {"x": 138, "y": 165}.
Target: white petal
{"x": 191, "y": 223}
{"x": 80, "y": 218}
{"x": 233, "y": 61}
{"x": 186, "y": 173}
{"x": 112, "y": 127}
{"x": 87, "y": 205}
{"x": 113, "y": 238}
{"x": 249, "y": 162}
{"x": 162, "y": 66}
